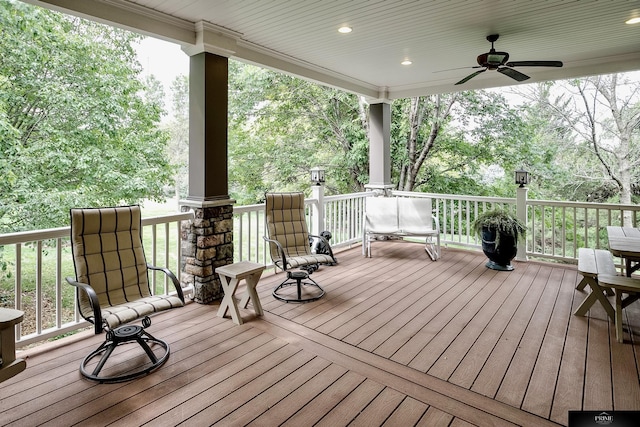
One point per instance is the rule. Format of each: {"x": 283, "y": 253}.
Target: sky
{"x": 164, "y": 60}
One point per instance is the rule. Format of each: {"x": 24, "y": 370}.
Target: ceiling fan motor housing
{"x": 492, "y": 60}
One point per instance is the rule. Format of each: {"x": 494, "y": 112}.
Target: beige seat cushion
{"x": 109, "y": 256}
{"x": 286, "y": 223}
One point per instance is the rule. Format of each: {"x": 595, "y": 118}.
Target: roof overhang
{"x": 442, "y": 38}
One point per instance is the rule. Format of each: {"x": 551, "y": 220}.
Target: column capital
{"x": 213, "y": 39}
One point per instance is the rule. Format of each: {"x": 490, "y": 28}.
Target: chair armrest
{"x": 283, "y": 257}
{"x": 93, "y": 301}
{"x": 174, "y": 279}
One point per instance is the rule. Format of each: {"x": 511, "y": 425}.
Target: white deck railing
{"x": 555, "y": 229}
{"x": 40, "y": 260}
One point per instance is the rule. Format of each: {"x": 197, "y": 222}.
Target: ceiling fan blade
{"x": 534, "y": 64}
{"x": 470, "y": 76}
{"x": 516, "y": 75}
{"x": 458, "y": 68}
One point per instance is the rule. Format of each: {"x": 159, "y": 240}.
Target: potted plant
{"x": 499, "y": 231}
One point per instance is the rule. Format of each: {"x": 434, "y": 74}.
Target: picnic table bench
{"x": 591, "y": 264}
{"x": 599, "y": 272}
{"x": 621, "y": 284}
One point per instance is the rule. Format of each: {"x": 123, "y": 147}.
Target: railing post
{"x": 317, "y": 193}
{"x": 521, "y": 213}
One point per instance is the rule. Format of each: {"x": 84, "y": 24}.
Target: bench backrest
{"x": 414, "y": 215}
{"x": 411, "y": 215}
{"x": 381, "y": 215}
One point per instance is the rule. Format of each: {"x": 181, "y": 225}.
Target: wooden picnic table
{"x": 624, "y": 242}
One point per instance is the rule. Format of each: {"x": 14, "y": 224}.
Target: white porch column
{"x": 317, "y": 224}
{"x": 521, "y": 213}
{"x": 380, "y": 147}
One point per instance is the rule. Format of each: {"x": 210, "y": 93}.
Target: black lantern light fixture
{"x": 317, "y": 176}
{"x": 522, "y": 177}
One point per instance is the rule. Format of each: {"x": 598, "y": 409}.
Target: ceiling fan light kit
{"x": 493, "y": 60}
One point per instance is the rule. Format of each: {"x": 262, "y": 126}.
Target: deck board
{"x": 537, "y": 399}
{"x": 397, "y": 340}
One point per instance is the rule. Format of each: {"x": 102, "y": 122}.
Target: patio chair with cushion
{"x": 288, "y": 239}
{"x": 112, "y": 290}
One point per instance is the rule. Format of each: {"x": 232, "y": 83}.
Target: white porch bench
{"x": 400, "y": 217}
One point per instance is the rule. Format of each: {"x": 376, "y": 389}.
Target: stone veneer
{"x": 207, "y": 243}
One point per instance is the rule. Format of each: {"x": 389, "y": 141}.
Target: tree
{"x": 76, "y": 127}
{"x": 602, "y": 116}
{"x": 458, "y": 143}
{"x": 178, "y": 128}
{"x": 426, "y": 116}
{"x": 281, "y": 126}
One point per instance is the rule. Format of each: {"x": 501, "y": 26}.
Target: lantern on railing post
{"x": 522, "y": 178}
{"x": 317, "y": 176}
{"x": 317, "y": 193}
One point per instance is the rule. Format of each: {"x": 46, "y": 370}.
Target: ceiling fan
{"x": 493, "y": 60}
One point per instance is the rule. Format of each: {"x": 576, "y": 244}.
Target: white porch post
{"x": 317, "y": 223}
{"x": 521, "y": 213}
{"x": 379, "y": 147}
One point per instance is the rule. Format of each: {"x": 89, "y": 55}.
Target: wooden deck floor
{"x": 398, "y": 340}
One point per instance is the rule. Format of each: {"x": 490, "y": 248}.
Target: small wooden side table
{"x": 230, "y": 276}
{"x": 9, "y": 365}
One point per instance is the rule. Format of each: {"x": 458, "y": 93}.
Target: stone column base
{"x": 207, "y": 243}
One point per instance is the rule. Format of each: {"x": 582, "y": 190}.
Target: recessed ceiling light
{"x": 406, "y": 62}
{"x": 633, "y": 21}
{"x": 345, "y": 30}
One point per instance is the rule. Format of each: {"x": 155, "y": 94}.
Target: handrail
{"x": 61, "y": 232}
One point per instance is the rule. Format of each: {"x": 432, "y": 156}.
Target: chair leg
{"x": 117, "y": 337}
{"x": 299, "y": 279}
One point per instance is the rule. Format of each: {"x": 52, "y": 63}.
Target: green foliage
{"x": 467, "y": 141}
{"x": 590, "y": 130}
{"x": 178, "y": 129}
{"x": 502, "y": 221}
{"x": 76, "y": 128}
{"x": 281, "y": 126}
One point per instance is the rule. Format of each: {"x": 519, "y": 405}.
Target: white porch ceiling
{"x": 301, "y": 37}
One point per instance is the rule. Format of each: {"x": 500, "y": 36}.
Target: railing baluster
{"x": 167, "y": 260}
{"x": 38, "y": 298}
{"x": 58, "y": 283}
{"x": 154, "y": 260}
{"x": 249, "y": 240}
{"x": 564, "y": 231}
{"x": 18, "y": 286}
